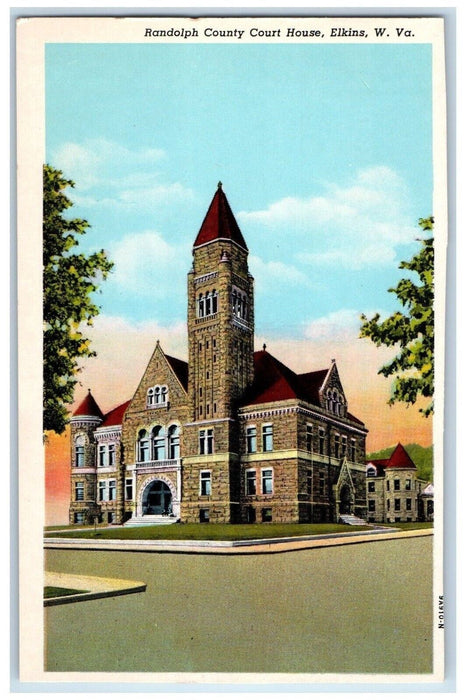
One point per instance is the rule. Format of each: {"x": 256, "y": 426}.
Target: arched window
{"x": 214, "y": 301}
{"x": 371, "y": 471}
{"x": 158, "y": 443}
{"x": 143, "y": 446}
{"x": 79, "y": 450}
{"x": 201, "y": 306}
{"x": 150, "y": 396}
{"x": 174, "y": 442}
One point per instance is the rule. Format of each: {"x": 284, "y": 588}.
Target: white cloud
{"x": 353, "y": 225}
{"x": 337, "y": 326}
{"x": 275, "y": 274}
{"x": 112, "y": 175}
{"x": 147, "y": 266}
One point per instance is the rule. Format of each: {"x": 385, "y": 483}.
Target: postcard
{"x": 229, "y": 232}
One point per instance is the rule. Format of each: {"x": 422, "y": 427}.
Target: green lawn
{"x": 411, "y": 526}
{"x": 210, "y": 531}
{"x": 57, "y": 592}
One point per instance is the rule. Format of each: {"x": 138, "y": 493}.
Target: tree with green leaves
{"x": 412, "y": 331}
{"x": 69, "y": 280}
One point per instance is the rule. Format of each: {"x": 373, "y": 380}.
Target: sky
{"x": 324, "y": 152}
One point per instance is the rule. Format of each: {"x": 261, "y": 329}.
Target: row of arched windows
{"x": 207, "y": 304}
{"x": 335, "y": 402}
{"x": 159, "y": 444}
{"x": 157, "y": 395}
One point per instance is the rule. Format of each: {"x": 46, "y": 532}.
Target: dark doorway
{"x": 157, "y": 499}
{"x": 345, "y": 500}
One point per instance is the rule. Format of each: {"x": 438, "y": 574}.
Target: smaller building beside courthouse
{"x": 394, "y": 493}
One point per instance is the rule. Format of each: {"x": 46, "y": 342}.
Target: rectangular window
{"x": 251, "y": 483}
{"x": 128, "y": 489}
{"x": 266, "y": 515}
{"x": 344, "y": 445}
{"x": 79, "y": 453}
{"x": 353, "y": 450}
{"x": 112, "y": 490}
{"x": 388, "y": 504}
{"x": 206, "y": 441}
{"x": 321, "y": 483}
{"x": 337, "y": 446}
{"x": 408, "y": 485}
{"x": 397, "y": 504}
{"x": 79, "y": 491}
{"x": 206, "y": 483}
{"x": 102, "y": 455}
{"x": 321, "y": 441}
{"x": 267, "y": 438}
{"x": 267, "y": 481}
{"x": 78, "y": 518}
{"x": 111, "y": 454}
{"x": 309, "y": 436}
{"x": 388, "y": 485}
{"x": 409, "y": 504}
{"x": 102, "y": 490}
{"x": 110, "y": 518}
{"x": 396, "y": 484}
{"x": 371, "y": 506}
{"x": 204, "y": 515}
{"x": 251, "y": 439}
{"x": 309, "y": 481}
{"x": 371, "y": 486}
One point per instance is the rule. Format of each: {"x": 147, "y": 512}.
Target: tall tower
{"x": 220, "y": 315}
{"x": 221, "y": 356}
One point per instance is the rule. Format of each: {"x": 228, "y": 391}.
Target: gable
{"x": 163, "y": 384}
{"x": 332, "y": 386}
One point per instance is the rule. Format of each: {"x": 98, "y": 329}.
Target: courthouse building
{"x": 232, "y": 435}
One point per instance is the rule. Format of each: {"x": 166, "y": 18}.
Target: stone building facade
{"x": 394, "y": 493}
{"x": 232, "y": 435}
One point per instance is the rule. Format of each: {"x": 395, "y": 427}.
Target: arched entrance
{"x": 157, "y": 499}
{"x": 345, "y": 500}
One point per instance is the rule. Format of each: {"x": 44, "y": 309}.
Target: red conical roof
{"x": 400, "y": 459}
{"x": 219, "y": 222}
{"x": 88, "y": 407}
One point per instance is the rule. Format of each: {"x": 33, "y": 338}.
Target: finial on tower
{"x": 264, "y": 347}
{"x": 219, "y": 186}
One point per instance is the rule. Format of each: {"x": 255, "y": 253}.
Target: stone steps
{"x": 352, "y": 520}
{"x": 150, "y": 520}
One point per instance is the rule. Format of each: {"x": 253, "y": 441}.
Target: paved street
{"x": 363, "y": 608}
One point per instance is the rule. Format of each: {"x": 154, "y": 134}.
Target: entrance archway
{"x": 157, "y": 499}
{"x": 345, "y": 500}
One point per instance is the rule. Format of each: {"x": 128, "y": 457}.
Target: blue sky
{"x": 324, "y": 152}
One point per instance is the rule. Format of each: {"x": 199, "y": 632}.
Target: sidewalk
{"x": 269, "y": 546}
{"x": 90, "y": 587}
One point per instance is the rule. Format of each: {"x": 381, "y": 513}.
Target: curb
{"x": 234, "y": 546}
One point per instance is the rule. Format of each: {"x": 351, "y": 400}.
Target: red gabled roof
{"x": 115, "y": 416}
{"x": 219, "y": 222}
{"x": 88, "y": 407}
{"x": 274, "y": 381}
{"x": 400, "y": 459}
{"x": 180, "y": 368}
